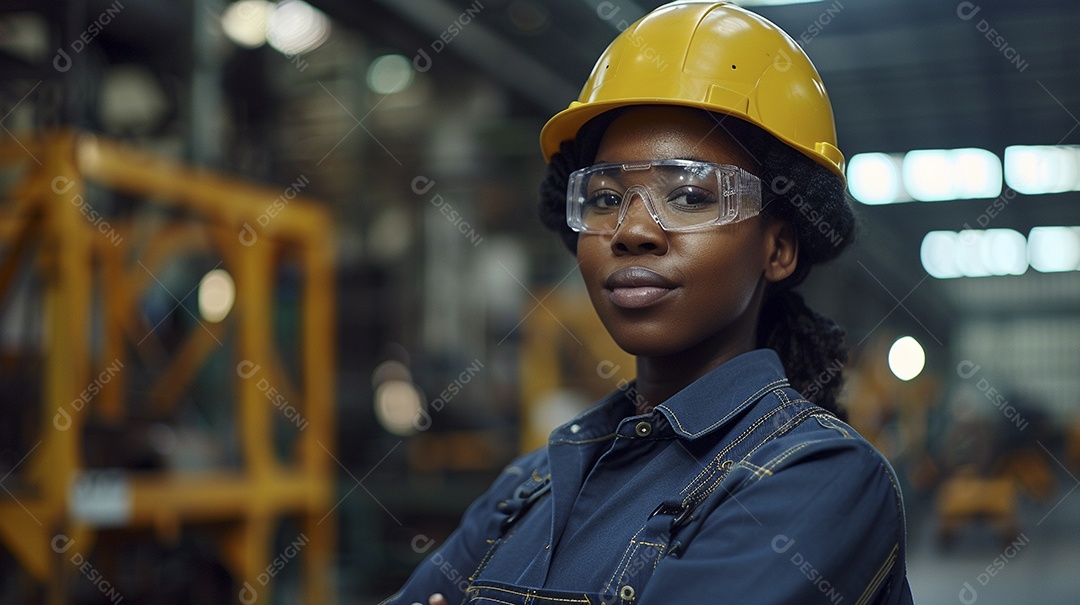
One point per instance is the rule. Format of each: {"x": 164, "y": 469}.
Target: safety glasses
{"x": 681, "y": 195}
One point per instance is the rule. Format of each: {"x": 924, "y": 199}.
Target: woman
{"x": 697, "y": 180}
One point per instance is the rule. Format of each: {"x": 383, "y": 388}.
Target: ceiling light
{"x": 938, "y": 254}
{"x": 1052, "y": 249}
{"x": 217, "y": 293}
{"x": 1034, "y": 169}
{"x": 874, "y": 178}
{"x": 245, "y": 22}
{"x": 974, "y": 253}
{"x": 296, "y": 27}
{"x": 390, "y": 74}
{"x": 932, "y": 175}
{"x": 906, "y": 358}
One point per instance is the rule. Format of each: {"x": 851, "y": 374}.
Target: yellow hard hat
{"x": 714, "y": 56}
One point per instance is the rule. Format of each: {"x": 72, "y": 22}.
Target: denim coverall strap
{"x": 663, "y": 531}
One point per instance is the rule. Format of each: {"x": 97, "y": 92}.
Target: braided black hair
{"x": 795, "y": 189}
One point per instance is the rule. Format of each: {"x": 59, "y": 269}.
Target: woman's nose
{"x": 637, "y": 231}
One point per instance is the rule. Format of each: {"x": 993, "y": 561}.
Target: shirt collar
{"x": 700, "y": 408}
{"x": 710, "y": 401}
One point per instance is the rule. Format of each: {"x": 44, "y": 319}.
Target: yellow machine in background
{"x": 95, "y": 272}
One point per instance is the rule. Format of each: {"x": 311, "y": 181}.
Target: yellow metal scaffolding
{"x": 82, "y": 263}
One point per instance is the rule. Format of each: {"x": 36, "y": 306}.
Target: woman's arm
{"x": 819, "y": 523}
{"x": 446, "y": 571}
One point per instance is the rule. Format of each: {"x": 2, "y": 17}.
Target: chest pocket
{"x": 670, "y": 526}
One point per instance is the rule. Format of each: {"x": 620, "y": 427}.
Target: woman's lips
{"x": 637, "y": 287}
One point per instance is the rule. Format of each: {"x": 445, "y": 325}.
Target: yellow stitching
{"x": 734, "y": 442}
{"x": 759, "y": 471}
{"x": 826, "y": 421}
{"x": 791, "y": 422}
{"x": 624, "y": 557}
{"x": 710, "y": 466}
{"x": 879, "y": 577}
{"x": 531, "y": 594}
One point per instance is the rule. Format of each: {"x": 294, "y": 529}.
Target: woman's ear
{"x": 781, "y": 250}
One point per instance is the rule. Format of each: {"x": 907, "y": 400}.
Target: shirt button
{"x": 627, "y": 593}
{"x": 643, "y": 429}
{"x": 574, "y": 428}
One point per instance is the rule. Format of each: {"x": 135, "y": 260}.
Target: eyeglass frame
{"x": 746, "y": 191}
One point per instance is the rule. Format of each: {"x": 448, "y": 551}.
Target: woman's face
{"x": 662, "y": 293}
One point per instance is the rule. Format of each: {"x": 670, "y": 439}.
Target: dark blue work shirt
{"x": 734, "y": 489}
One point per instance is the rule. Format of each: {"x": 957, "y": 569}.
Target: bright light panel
{"x": 217, "y": 293}
{"x": 1053, "y": 249}
{"x": 934, "y": 175}
{"x": 1035, "y": 169}
{"x": 906, "y": 358}
{"x": 296, "y": 27}
{"x": 874, "y": 178}
{"x": 245, "y": 22}
{"x": 974, "y": 253}
{"x": 389, "y": 74}
{"x": 397, "y": 403}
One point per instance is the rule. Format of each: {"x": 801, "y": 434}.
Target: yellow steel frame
{"x": 244, "y": 503}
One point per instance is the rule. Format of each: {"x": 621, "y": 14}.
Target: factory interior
{"x": 276, "y": 306}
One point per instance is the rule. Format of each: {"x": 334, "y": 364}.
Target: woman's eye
{"x": 691, "y": 199}
{"x": 603, "y": 200}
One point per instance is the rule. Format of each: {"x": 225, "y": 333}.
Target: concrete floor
{"x": 1041, "y": 566}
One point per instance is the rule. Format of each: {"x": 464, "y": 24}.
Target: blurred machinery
{"x": 131, "y": 415}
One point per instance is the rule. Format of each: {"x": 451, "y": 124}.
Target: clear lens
{"x": 681, "y": 195}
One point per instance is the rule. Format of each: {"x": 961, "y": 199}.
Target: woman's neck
{"x": 660, "y": 377}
